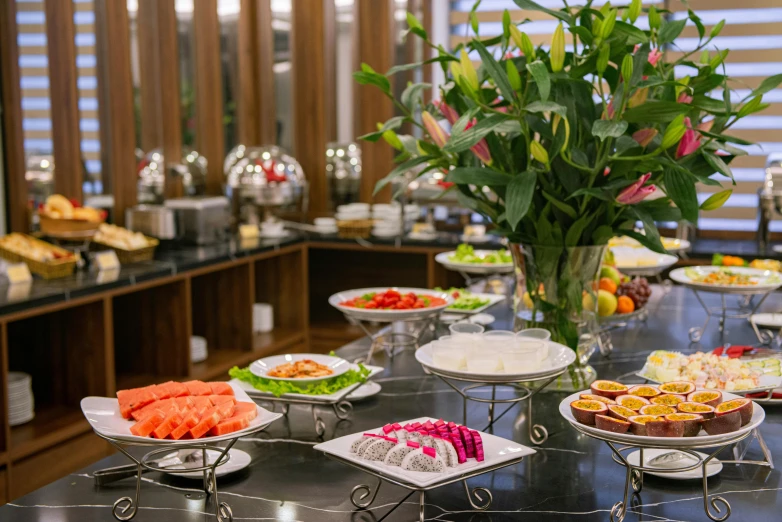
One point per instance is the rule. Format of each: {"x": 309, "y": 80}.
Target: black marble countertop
{"x": 571, "y": 477}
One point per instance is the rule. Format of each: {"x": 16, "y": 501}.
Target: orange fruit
{"x": 607, "y": 284}
{"x": 624, "y": 305}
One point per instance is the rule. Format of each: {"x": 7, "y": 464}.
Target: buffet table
{"x": 571, "y": 477}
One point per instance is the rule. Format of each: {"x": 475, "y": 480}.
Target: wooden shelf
{"x": 51, "y": 425}
{"x": 128, "y": 381}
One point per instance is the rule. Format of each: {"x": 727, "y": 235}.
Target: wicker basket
{"x": 68, "y": 228}
{"x": 134, "y": 256}
{"x": 47, "y": 270}
{"x": 354, "y": 228}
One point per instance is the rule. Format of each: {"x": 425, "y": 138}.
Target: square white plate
{"x": 496, "y": 451}
{"x": 103, "y": 415}
{"x": 493, "y": 300}
{"x": 332, "y": 397}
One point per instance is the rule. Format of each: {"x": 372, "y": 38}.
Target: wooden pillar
{"x": 66, "y": 135}
{"x": 375, "y": 46}
{"x": 115, "y": 90}
{"x": 265, "y": 64}
{"x": 247, "y": 106}
{"x": 210, "y": 135}
{"x": 13, "y": 138}
{"x": 330, "y": 57}
{"x": 426, "y": 10}
{"x": 309, "y": 103}
{"x": 147, "y": 28}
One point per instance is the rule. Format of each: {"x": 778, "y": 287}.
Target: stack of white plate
{"x": 198, "y": 351}
{"x": 325, "y": 225}
{"x": 352, "y": 211}
{"x": 387, "y": 218}
{"x": 21, "y": 406}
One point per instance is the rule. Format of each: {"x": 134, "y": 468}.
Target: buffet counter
{"x": 571, "y": 477}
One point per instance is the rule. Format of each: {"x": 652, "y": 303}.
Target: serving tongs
{"x": 178, "y": 458}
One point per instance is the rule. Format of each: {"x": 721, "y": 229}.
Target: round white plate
{"x": 419, "y": 236}
{"x": 444, "y": 258}
{"x": 641, "y": 261}
{"x": 767, "y": 280}
{"x": 388, "y": 315}
{"x": 559, "y": 358}
{"x": 670, "y": 244}
{"x": 475, "y": 239}
{"x": 261, "y": 367}
{"x": 482, "y": 319}
{"x": 365, "y": 391}
{"x": 713, "y": 468}
{"x": 238, "y": 461}
{"x": 767, "y": 320}
{"x": 699, "y": 441}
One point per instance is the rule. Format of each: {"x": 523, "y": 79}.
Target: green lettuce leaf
{"x": 324, "y": 387}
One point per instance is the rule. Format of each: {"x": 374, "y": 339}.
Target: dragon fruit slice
{"x": 378, "y": 449}
{"x": 400, "y": 433}
{"x": 399, "y": 452}
{"x": 467, "y": 441}
{"x": 451, "y": 425}
{"x": 476, "y": 439}
{"x": 356, "y": 443}
{"x": 438, "y": 423}
{"x": 388, "y": 428}
{"x": 426, "y": 440}
{"x": 428, "y": 426}
{"x": 445, "y": 449}
{"x": 413, "y": 435}
{"x": 364, "y": 445}
{"x": 456, "y": 442}
{"x": 423, "y": 460}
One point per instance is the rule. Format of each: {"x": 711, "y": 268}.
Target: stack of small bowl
{"x": 325, "y": 225}
{"x": 21, "y": 405}
{"x": 387, "y": 218}
{"x": 353, "y": 220}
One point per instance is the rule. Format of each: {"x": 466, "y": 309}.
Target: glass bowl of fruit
{"x": 619, "y": 297}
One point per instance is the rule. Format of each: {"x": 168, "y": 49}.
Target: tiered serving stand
{"x": 526, "y": 385}
{"x": 622, "y": 443}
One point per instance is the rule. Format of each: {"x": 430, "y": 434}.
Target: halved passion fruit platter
{"x": 674, "y": 414}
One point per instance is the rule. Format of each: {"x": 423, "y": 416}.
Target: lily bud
{"x": 391, "y": 138}
{"x": 558, "y": 49}
{"x": 515, "y": 35}
{"x": 636, "y": 192}
{"x": 608, "y": 24}
{"x": 627, "y": 69}
{"x": 634, "y": 11}
{"x": 673, "y": 133}
{"x": 527, "y": 48}
{"x": 644, "y": 136}
{"x": 716, "y": 200}
{"x": 468, "y": 70}
{"x": 456, "y": 72}
{"x": 539, "y": 153}
{"x": 555, "y": 125}
{"x": 654, "y": 18}
{"x": 602, "y": 58}
{"x": 513, "y": 75}
{"x": 438, "y": 134}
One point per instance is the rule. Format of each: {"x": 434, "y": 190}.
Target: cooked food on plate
{"x": 122, "y": 238}
{"x": 722, "y": 276}
{"x": 763, "y": 264}
{"x": 466, "y": 254}
{"x": 393, "y": 300}
{"x": 300, "y": 369}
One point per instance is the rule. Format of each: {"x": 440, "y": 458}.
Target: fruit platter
{"x": 762, "y": 264}
{"x": 619, "y": 298}
{"x": 674, "y": 414}
{"x": 728, "y": 280}
{"x": 466, "y": 302}
{"x": 641, "y": 261}
{"x": 385, "y": 304}
{"x": 174, "y": 413}
{"x": 670, "y": 244}
{"x": 470, "y": 261}
{"x": 424, "y": 452}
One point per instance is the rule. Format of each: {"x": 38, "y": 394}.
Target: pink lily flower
{"x": 606, "y": 171}
{"x": 644, "y": 136}
{"x": 654, "y": 57}
{"x": 684, "y": 98}
{"x": 501, "y": 109}
{"x": 438, "y": 134}
{"x": 705, "y": 126}
{"x": 689, "y": 142}
{"x": 480, "y": 149}
{"x": 636, "y": 192}
{"x": 449, "y": 112}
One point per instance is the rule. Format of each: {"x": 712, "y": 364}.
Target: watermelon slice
{"x": 184, "y": 403}
{"x": 161, "y": 392}
{"x": 131, "y": 400}
{"x": 176, "y": 389}
{"x": 219, "y": 399}
{"x": 189, "y": 419}
{"x": 230, "y": 425}
{"x": 148, "y": 425}
{"x": 226, "y": 409}
{"x": 207, "y": 423}
{"x": 172, "y": 420}
{"x": 165, "y": 406}
{"x": 221, "y": 388}
{"x": 201, "y": 404}
{"x": 198, "y": 388}
{"x": 246, "y": 408}
{"x": 476, "y": 439}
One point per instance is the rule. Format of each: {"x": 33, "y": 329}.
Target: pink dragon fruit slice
{"x": 476, "y": 439}
{"x": 356, "y": 443}
{"x": 451, "y": 425}
{"x": 423, "y": 460}
{"x": 378, "y": 449}
{"x": 426, "y": 440}
{"x": 428, "y": 426}
{"x": 467, "y": 441}
{"x": 439, "y": 422}
{"x": 461, "y": 453}
{"x": 388, "y": 428}
{"x": 413, "y": 435}
{"x": 400, "y": 433}
{"x": 399, "y": 452}
{"x": 363, "y": 446}
{"x": 445, "y": 449}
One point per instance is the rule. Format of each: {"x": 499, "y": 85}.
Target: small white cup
{"x": 524, "y": 356}
{"x": 458, "y": 329}
{"x": 447, "y": 356}
{"x": 263, "y": 318}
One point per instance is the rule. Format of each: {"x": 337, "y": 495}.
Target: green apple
{"x": 606, "y": 303}
{"x": 588, "y": 302}
{"x": 612, "y": 274}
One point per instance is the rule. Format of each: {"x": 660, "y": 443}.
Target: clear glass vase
{"x": 556, "y": 289}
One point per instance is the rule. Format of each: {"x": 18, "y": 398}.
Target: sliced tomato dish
{"x": 393, "y": 300}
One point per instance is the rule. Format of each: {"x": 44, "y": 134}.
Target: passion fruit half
{"x": 608, "y": 389}
{"x": 677, "y": 387}
{"x": 743, "y": 406}
{"x": 633, "y": 402}
{"x": 691, "y": 421}
{"x": 656, "y": 409}
{"x": 668, "y": 399}
{"x": 592, "y": 397}
{"x": 638, "y": 423}
{"x": 644, "y": 390}
{"x": 620, "y": 412}
{"x": 662, "y": 427}
{"x": 723, "y": 424}
{"x": 584, "y": 411}
{"x": 704, "y": 410}
{"x": 710, "y": 397}
{"x": 604, "y": 422}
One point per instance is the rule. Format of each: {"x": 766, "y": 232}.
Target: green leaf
{"x": 709, "y": 104}
{"x": 393, "y": 123}
{"x": 697, "y": 21}
{"x": 464, "y": 140}
{"x": 518, "y": 197}
{"x": 542, "y": 106}
{"x": 528, "y": 4}
{"x": 373, "y": 78}
{"x": 769, "y": 84}
{"x": 632, "y": 33}
{"x": 410, "y": 66}
{"x": 670, "y": 31}
{"x": 401, "y": 169}
{"x": 719, "y": 165}
{"x": 655, "y": 112}
{"x": 478, "y": 176}
{"x": 413, "y": 23}
{"x": 411, "y": 93}
{"x": 561, "y": 205}
{"x": 603, "y": 129}
{"x": 496, "y": 72}
{"x": 540, "y": 73}
{"x": 680, "y": 187}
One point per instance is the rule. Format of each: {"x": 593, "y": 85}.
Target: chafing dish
{"x": 343, "y": 173}
{"x": 769, "y": 198}
{"x": 152, "y": 175}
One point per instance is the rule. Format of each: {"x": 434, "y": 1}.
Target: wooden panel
{"x": 375, "y": 22}
{"x": 65, "y": 110}
{"x": 3, "y": 486}
{"x": 118, "y": 137}
{"x": 210, "y": 138}
{"x": 222, "y": 309}
{"x": 428, "y": 52}
{"x": 749, "y": 55}
{"x": 5, "y": 427}
{"x": 703, "y": 5}
{"x": 13, "y": 138}
{"x": 170, "y": 94}
{"x": 309, "y": 110}
{"x": 275, "y": 280}
{"x": 330, "y": 60}
{"x": 147, "y": 27}
{"x": 264, "y": 89}
{"x": 517, "y": 15}
{"x": 247, "y": 105}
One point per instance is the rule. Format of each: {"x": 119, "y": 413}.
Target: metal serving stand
{"x": 743, "y": 310}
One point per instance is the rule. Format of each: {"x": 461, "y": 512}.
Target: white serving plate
{"x": 767, "y": 280}
{"x": 103, "y": 415}
{"x": 641, "y": 261}
{"x": 493, "y": 300}
{"x": 365, "y": 391}
{"x": 767, "y": 382}
{"x": 767, "y": 320}
{"x": 237, "y": 462}
{"x": 670, "y": 244}
{"x": 559, "y": 358}
{"x": 473, "y": 268}
{"x": 262, "y": 367}
{"x": 699, "y": 441}
{"x": 713, "y": 468}
{"x": 329, "y": 398}
{"x": 496, "y": 451}
{"x": 386, "y": 316}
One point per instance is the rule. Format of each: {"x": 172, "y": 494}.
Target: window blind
{"x": 752, "y": 34}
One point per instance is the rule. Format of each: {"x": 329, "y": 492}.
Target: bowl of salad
{"x": 471, "y": 261}
{"x": 466, "y": 302}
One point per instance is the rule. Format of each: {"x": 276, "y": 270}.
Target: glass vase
{"x": 556, "y": 289}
